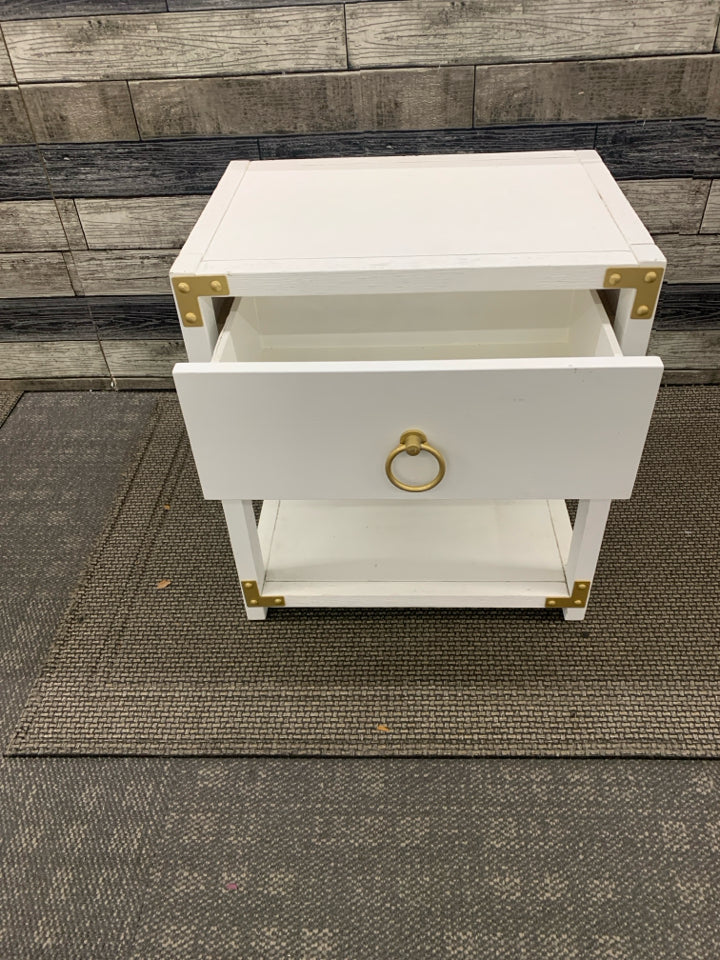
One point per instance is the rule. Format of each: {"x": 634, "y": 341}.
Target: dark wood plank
{"x": 641, "y": 88}
{"x": 46, "y": 318}
{"x": 711, "y": 220}
{"x": 475, "y": 31}
{"x": 656, "y": 148}
{"x": 21, "y": 174}
{"x": 143, "y": 358}
{"x": 180, "y": 5}
{"x": 14, "y": 125}
{"x": 708, "y": 160}
{"x": 564, "y": 136}
{"x": 30, "y": 225}
{"x": 34, "y": 275}
{"x": 438, "y": 98}
{"x": 26, "y": 384}
{"x": 668, "y": 206}
{"x": 37, "y": 9}
{"x": 687, "y": 349}
{"x": 139, "y": 223}
{"x": 85, "y": 112}
{"x": 691, "y": 259}
{"x": 118, "y": 272}
{"x": 56, "y": 358}
{"x": 688, "y": 306}
{"x": 266, "y": 40}
{"x": 158, "y": 168}
{"x": 135, "y": 317}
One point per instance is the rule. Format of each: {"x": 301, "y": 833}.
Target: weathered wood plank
{"x": 691, "y": 259}
{"x": 683, "y": 377}
{"x": 708, "y": 159}
{"x": 86, "y": 112}
{"x": 266, "y": 40}
{"x": 25, "y": 384}
{"x": 6, "y": 70}
{"x": 562, "y": 136}
{"x": 30, "y": 225}
{"x": 309, "y": 103}
{"x": 14, "y": 126}
{"x": 696, "y": 349}
{"x": 34, "y": 275}
{"x": 71, "y": 224}
{"x": 178, "y": 5}
{"x": 139, "y": 223}
{"x": 124, "y": 272}
{"x": 57, "y": 358}
{"x": 143, "y": 358}
{"x": 668, "y": 206}
{"x": 21, "y": 174}
{"x": 642, "y": 88}
{"x": 713, "y": 104}
{"x": 22, "y": 10}
{"x": 161, "y": 168}
{"x": 711, "y": 220}
{"x": 135, "y": 317}
{"x": 442, "y": 31}
{"x": 656, "y": 148}
{"x": 688, "y": 307}
{"x": 46, "y": 318}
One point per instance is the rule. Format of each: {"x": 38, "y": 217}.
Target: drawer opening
{"x": 433, "y": 326}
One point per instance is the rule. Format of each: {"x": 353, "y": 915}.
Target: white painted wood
{"x": 562, "y": 527}
{"x": 200, "y": 341}
{"x": 246, "y": 548}
{"x": 406, "y": 593}
{"x": 632, "y": 333}
{"x": 527, "y": 428}
{"x": 588, "y": 532}
{"x": 620, "y": 208}
{"x": 383, "y": 540}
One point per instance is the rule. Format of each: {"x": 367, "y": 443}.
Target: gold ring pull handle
{"x": 411, "y": 443}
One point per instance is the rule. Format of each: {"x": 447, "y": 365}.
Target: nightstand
{"x": 421, "y": 359}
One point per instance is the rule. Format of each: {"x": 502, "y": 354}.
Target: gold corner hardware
{"x": 187, "y": 291}
{"x": 645, "y": 281}
{"x": 412, "y": 442}
{"x": 577, "y": 599}
{"x": 253, "y": 598}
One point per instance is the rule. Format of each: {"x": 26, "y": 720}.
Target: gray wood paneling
{"x": 71, "y": 224}
{"x": 174, "y": 5}
{"x": 561, "y": 136}
{"x": 21, "y": 174}
{"x": 34, "y": 275}
{"x": 6, "y": 70}
{"x": 159, "y": 168}
{"x": 681, "y": 377}
{"x": 46, "y": 318}
{"x": 475, "y": 31}
{"x": 711, "y": 220}
{"x": 30, "y": 225}
{"x": 266, "y": 40}
{"x": 691, "y": 259}
{"x": 713, "y": 106}
{"x": 688, "y": 307}
{"x": 668, "y": 206}
{"x": 656, "y": 148}
{"x": 643, "y": 88}
{"x": 14, "y": 126}
{"x": 86, "y": 112}
{"x": 143, "y": 358}
{"x": 696, "y": 349}
{"x": 434, "y": 98}
{"x": 57, "y": 358}
{"x": 708, "y": 160}
{"x": 139, "y": 223}
{"x": 119, "y": 272}
{"x": 135, "y": 317}
{"x": 33, "y": 10}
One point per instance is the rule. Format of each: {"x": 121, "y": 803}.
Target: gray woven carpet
{"x": 141, "y": 670}
{"x": 7, "y": 404}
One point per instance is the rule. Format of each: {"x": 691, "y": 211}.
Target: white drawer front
{"x": 507, "y": 429}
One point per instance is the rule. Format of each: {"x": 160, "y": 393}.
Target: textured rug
{"x": 177, "y": 670}
{"x": 7, "y": 404}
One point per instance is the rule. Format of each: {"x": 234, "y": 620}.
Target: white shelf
{"x": 430, "y": 553}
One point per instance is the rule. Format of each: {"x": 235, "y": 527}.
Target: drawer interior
{"x": 433, "y": 326}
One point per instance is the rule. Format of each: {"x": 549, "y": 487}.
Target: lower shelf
{"x": 495, "y": 553}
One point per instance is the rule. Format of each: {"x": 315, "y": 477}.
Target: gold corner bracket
{"x": 253, "y": 599}
{"x": 646, "y": 281}
{"x": 578, "y": 598}
{"x": 188, "y": 289}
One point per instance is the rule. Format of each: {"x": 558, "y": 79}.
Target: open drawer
{"x": 520, "y": 395}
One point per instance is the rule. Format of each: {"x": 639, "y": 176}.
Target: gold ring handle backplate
{"x": 412, "y": 442}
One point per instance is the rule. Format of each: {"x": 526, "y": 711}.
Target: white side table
{"x": 422, "y": 358}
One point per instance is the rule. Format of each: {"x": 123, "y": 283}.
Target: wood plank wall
{"x": 117, "y": 118}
